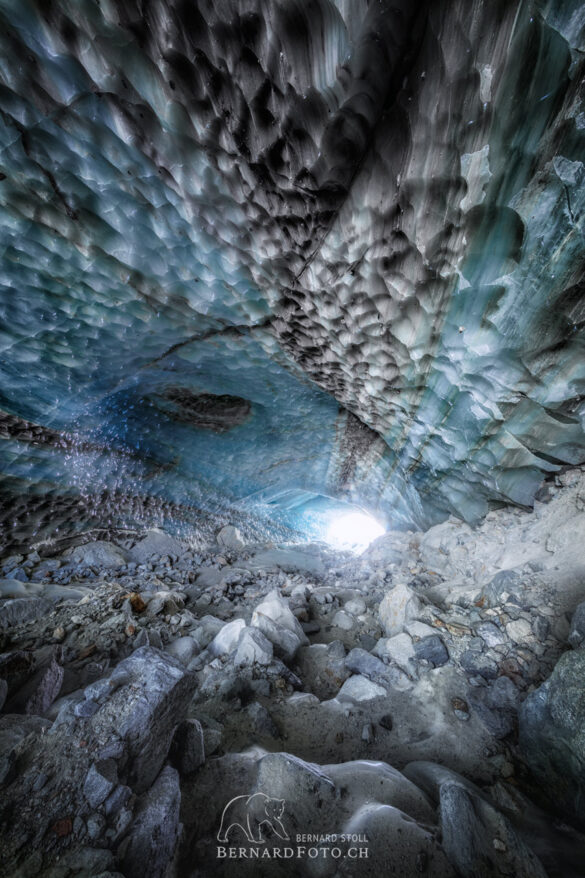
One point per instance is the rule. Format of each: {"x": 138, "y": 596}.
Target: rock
{"x": 152, "y": 838}
{"x": 183, "y": 649}
{"x": 470, "y": 826}
{"x": 551, "y": 723}
{"x": 418, "y": 630}
{"x": 386, "y": 722}
{"x": 322, "y": 668}
{"x": 398, "y": 649}
{"x": 230, "y": 537}
{"x": 141, "y": 702}
{"x": 359, "y": 688}
{"x": 343, "y": 620}
{"x": 3, "y": 692}
{"x": 98, "y": 554}
{"x": 399, "y": 606}
{"x": 15, "y": 612}
{"x": 433, "y": 650}
{"x": 477, "y": 664}
{"x": 253, "y": 648}
{"x": 188, "y": 748}
{"x": 44, "y": 688}
{"x": 156, "y": 542}
{"x": 275, "y": 619}
{"x": 355, "y": 606}
{"x": 491, "y": 634}
{"x": 262, "y": 722}
{"x": 496, "y": 705}
{"x": 361, "y": 662}
{"x": 101, "y": 779}
{"x": 577, "y": 631}
{"x": 506, "y": 581}
{"x": 227, "y": 639}
{"x": 519, "y": 630}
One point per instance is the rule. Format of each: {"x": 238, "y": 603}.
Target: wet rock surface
{"x": 151, "y": 694}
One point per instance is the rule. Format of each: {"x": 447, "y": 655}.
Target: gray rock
{"x": 491, "y": 634}
{"x": 231, "y": 538}
{"x": 156, "y": 542}
{"x": 361, "y": 662}
{"x": 551, "y": 724}
{"x": 322, "y": 668}
{"x": 150, "y": 844}
{"x": 253, "y": 648}
{"x": 188, "y": 747}
{"x": 360, "y": 688}
{"x": 100, "y": 780}
{"x": 41, "y": 690}
{"x": 433, "y": 650}
{"x": 577, "y": 631}
{"x": 477, "y": 664}
{"x": 496, "y": 705}
{"x": 117, "y": 799}
{"x": 399, "y": 606}
{"x": 227, "y": 639}
{"x": 277, "y": 622}
{"x": 151, "y": 691}
{"x": 479, "y": 841}
{"x": 3, "y": 692}
{"x": 343, "y": 620}
{"x": 15, "y": 612}
{"x": 98, "y": 554}
{"x": 183, "y": 649}
{"x": 504, "y": 581}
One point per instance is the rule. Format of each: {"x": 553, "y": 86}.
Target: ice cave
{"x": 292, "y": 438}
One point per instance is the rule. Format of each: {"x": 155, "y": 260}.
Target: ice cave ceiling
{"x": 257, "y": 251}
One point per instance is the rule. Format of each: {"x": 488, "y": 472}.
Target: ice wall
{"x": 261, "y": 250}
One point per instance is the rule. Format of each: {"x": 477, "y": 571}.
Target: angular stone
{"x": 149, "y": 846}
{"x": 433, "y": 650}
{"x": 98, "y": 554}
{"x": 520, "y": 630}
{"x": 227, "y": 639}
{"x": 398, "y": 649}
{"x": 156, "y": 542}
{"x": 253, "y": 648}
{"x": 355, "y": 606}
{"x": 477, "y": 664}
{"x": 183, "y": 649}
{"x": 231, "y": 538}
{"x": 275, "y": 619}
{"x": 399, "y": 606}
{"x": 361, "y": 662}
{"x": 101, "y": 779}
{"x": 491, "y": 634}
{"x": 151, "y": 691}
{"x": 343, "y": 620}
{"x": 15, "y": 612}
{"x": 496, "y": 705}
{"x": 359, "y": 688}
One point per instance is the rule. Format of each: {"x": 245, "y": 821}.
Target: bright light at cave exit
{"x": 353, "y": 530}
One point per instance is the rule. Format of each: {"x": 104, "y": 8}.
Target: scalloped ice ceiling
{"x": 255, "y": 252}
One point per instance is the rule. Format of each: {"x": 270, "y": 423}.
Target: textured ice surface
{"x": 257, "y": 252}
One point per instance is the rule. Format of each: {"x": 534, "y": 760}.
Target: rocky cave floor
{"x": 421, "y": 704}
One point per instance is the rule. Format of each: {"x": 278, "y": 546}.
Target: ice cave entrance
{"x": 353, "y": 529}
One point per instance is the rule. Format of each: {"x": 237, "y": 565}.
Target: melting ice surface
{"x": 353, "y": 530}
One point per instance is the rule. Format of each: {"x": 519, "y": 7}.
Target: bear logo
{"x": 249, "y": 814}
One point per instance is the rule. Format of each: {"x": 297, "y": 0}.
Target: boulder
{"x": 140, "y": 704}
{"x": 253, "y": 648}
{"x": 148, "y": 848}
{"x": 98, "y": 554}
{"x": 226, "y": 640}
{"x": 360, "y": 688}
{"x": 399, "y": 606}
{"x": 15, "y": 612}
{"x": 230, "y": 538}
{"x": 156, "y": 542}
{"x": 275, "y": 619}
{"x": 433, "y": 650}
{"x": 551, "y": 724}
{"x": 479, "y": 841}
